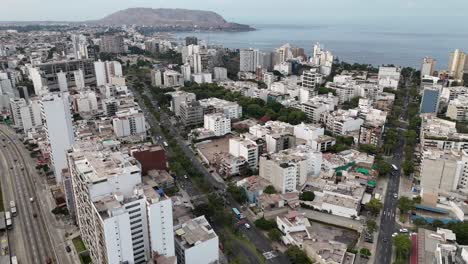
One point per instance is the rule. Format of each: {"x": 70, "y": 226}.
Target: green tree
{"x": 405, "y": 204}
{"x": 365, "y": 252}
{"x": 461, "y": 231}
{"x": 265, "y": 224}
{"x": 383, "y": 167}
{"x": 307, "y": 196}
{"x": 374, "y": 206}
{"x": 371, "y": 225}
{"x": 369, "y": 149}
{"x": 270, "y": 189}
{"x": 403, "y": 246}
{"x": 237, "y": 193}
{"x": 297, "y": 256}
{"x": 275, "y": 234}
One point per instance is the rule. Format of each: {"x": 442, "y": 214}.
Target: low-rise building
{"x": 178, "y": 98}
{"x": 129, "y": 122}
{"x": 246, "y": 148}
{"x": 196, "y": 242}
{"x": 316, "y": 106}
{"x": 441, "y": 134}
{"x": 172, "y": 79}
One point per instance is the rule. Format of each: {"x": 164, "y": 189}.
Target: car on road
{"x": 395, "y": 195}
{"x": 185, "y": 176}
{"x": 247, "y": 225}
{"x": 11, "y": 167}
{"x": 403, "y": 230}
{"x": 394, "y": 234}
{"x": 68, "y": 249}
{"x": 31, "y": 199}
{"x": 34, "y": 215}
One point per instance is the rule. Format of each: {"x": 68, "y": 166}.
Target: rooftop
{"x": 194, "y": 232}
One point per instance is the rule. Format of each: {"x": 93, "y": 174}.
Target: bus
{"x": 13, "y": 208}
{"x": 237, "y": 213}
{"x": 394, "y": 167}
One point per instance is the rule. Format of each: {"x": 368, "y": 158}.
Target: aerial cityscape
{"x": 186, "y": 136}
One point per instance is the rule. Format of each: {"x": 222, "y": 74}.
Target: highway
{"x": 29, "y": 238}
{"x": 258, "y": 239}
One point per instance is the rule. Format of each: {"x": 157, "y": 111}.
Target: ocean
{"x": 377, "y": 45}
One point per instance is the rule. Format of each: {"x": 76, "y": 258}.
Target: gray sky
{"x": 248, "y": 11}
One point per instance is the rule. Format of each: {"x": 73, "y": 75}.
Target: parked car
{"x": 68, "y": 249}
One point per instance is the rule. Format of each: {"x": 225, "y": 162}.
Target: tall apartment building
{"x": 220, "y": 74}
{"x": 48, "y": 71}
{"x": 441, "y": 134}
{"x": 389, "y": 77}
{"x": 156, "y": 78}
{"x": 428, "y": 66}
{"x": 112, "y": 44}
{"x": 129, "y": 122}
{"x": 442, "y": 171}
{"x": 342, "y": 122}
{"x": 430, "y": 100}
{"x": 248, "y": 60}
{"x": 218, "y": 123}
{"x": 344, "y": 91}
{"x": 311, "y": 79}
{"x": 172, "y": 79}
{"x": 26, "y": 115}
{"x": 62, "y": 81}
{"x": 191, "y": 41}
{"x": 106, "y": 70}
{"x": 458, "y": 64}
{"x": 191, "y": 113}
{"x": 186, "y": 72}
{"x": 79, "y": 79}
{"x": 246, "y": 148}
{"x": 80, "y": 46}
{"x": 316, "y": 106}
{"x": 120, "y": 219}
{"x": 196, "y": 242}
{"x": 55, "y": 109}
{"x": 288, "y": 170}
{"x": 232, "y": 110}
{"x": 458, "y": 109}
{"x": 177, "y": 98}
{"x": 85, "y": 102}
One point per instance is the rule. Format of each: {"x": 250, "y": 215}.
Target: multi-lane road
{"x": 387, "y": 220}
{"x": 261, "y": 242}
{"x": 29, "y": 239}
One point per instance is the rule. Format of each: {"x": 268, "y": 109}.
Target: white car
{"x": 247, "y": 225}
{"x": 395, "y": 195}
{"x": 403, "y": 230}
{"x": 394, "y": 234}
{"x": 31, "y": 199}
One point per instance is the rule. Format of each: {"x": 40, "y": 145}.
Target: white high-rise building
{"x": 186, "y": 72}
{"x": 196, "y": 242}
{"x": 220, "y": 73}
{"x": 37, "y": 81}
{"x": 85, "y": 102}
{"x": 58, "y": 124}
{"x": 246, "y": 148}
{"x": 26, "y": 115}
{"x": 156, "y": 78}
{"x": 100, "y": 71}
{"x": 428, "y": 66}
{"x": 129, "y": 122}
{"x": 197, "y": 65}
{"x": 311, "y": 79}
{"x": 218, "y": 123}
{"x": 80, "y": 46}
{"x": 121, "y": 220}
{"x": 458, "y": 64}
{"x": 248, "y": 60}
{"x": 178, "y": 97}
{"x": 107, "y": 70}
{"x": 79, "y": 79}
{"x": 62, "y": 81}
{"x": 389, "y": 77}
{"x": 288, "y": 169}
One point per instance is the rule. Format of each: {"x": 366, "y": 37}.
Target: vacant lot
{"x": 328, "y": 232}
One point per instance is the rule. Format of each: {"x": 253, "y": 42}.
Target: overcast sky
{"x": 248, "y": 11}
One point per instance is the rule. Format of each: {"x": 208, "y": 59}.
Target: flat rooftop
{"x": 194, "y": 231}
